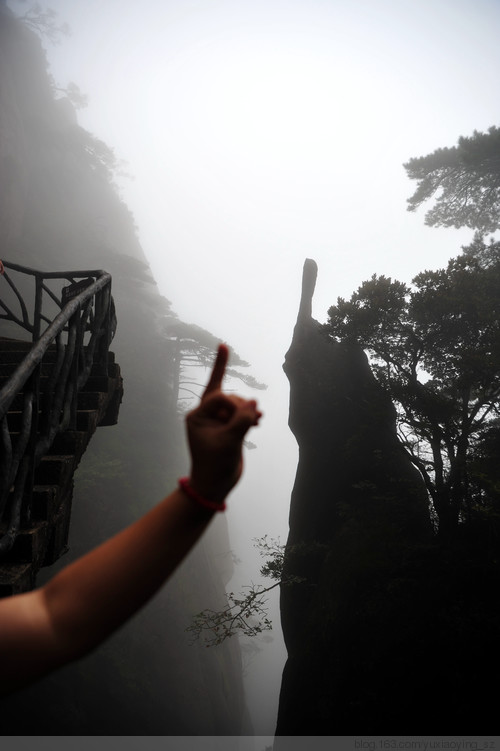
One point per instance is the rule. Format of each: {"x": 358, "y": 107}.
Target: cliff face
{"x": 345, "y": 426}
{"x": 60, "y": 211}
{"x": 386, "y": 627}
{"x": 358, "y": 510}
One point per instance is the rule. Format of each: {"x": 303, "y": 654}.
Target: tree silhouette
{"x": 191, "y": 347}
{"x": 466, "y": 179}
{"x": 246, "y": 613}
{"x": 43, "y": 21}
{"x": 435, "y": 347}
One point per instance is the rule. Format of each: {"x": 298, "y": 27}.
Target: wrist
{"x": 198, "y": 493}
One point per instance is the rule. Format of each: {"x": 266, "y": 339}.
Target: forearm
{"x": 92, "y": 597}
{"x": 82, "y": 605}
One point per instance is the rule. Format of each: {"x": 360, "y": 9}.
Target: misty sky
{"x": 261, "y": 133}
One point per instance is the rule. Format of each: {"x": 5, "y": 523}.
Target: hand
{"x": 216, "y": 429}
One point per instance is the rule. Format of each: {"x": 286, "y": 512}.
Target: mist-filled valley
{"x": 243, "y": 173}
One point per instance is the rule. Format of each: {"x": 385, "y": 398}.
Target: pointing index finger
{"x": 218, "y": 370}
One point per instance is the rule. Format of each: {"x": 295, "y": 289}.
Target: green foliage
{"x": 190, "y": 346}
{"x": 246, "y": 613}
{"x": 275, "y": 551}
{"x": 485, "y": 475}
{"x": 466, "y": 179}
{"x": 238, "y": 617}
{"x": 43, "y": 21}
{"x": 76, "y": 96}
{"x": 99, "y": 157}
{"x": 73, "y": 92}
{"x": 436, "y": 349}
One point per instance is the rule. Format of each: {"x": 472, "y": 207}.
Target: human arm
{"x": 83, "y": 604}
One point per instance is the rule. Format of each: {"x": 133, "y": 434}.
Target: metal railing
{"x": 77, "y": 321}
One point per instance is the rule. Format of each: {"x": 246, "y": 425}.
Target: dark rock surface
{"x": 358, "y": 512}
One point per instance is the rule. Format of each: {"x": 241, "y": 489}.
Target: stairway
{"x": 44, "y": 529}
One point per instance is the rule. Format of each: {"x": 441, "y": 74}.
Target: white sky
{"x": 263, "y": 132}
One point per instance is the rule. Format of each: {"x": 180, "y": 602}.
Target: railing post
{"x": 87, "y": 307}
{"x": 37, "y": 315}
{"x": 103, "y": 314}
{"x": 76, "y": 321}
{"x": 31, "y": 447}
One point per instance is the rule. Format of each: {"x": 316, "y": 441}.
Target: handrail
{"x": 82, "y": 327}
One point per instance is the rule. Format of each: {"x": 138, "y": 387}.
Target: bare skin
{"x": 83, "y": 604}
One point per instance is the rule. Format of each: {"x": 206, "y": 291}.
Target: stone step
{"x": 70, "y": 442}
{"x": 20, "y": 345}
{"x": 55, "y": 470}
{"x": 59, "y": 533}
{"x": 45, "y": 502}
{"x": 10, "y": 361}
{"x": 95, "y": 382}
{"x": 85, "y": 400}
{"x": 44, "y": 540}
{"x": 7, "y": 344}
{"x": 16, "y": 578}
{"x": 86, "y": 420}
{"x": 16, "y": 348}
{"x": 46, "y": 537}
{"x": 15, "y": 356}
{"x": 30, "y": 545}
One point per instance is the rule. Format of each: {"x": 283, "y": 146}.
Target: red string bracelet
{"x": 191, "y": 492}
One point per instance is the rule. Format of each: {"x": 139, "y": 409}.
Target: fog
{"x": 256, "y": 135}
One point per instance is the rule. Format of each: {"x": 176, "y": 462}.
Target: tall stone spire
{"x": 309, "y": 275}
{"x": 357, "y": 505}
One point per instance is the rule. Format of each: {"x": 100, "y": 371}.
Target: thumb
{"x": 243, "y": 418}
